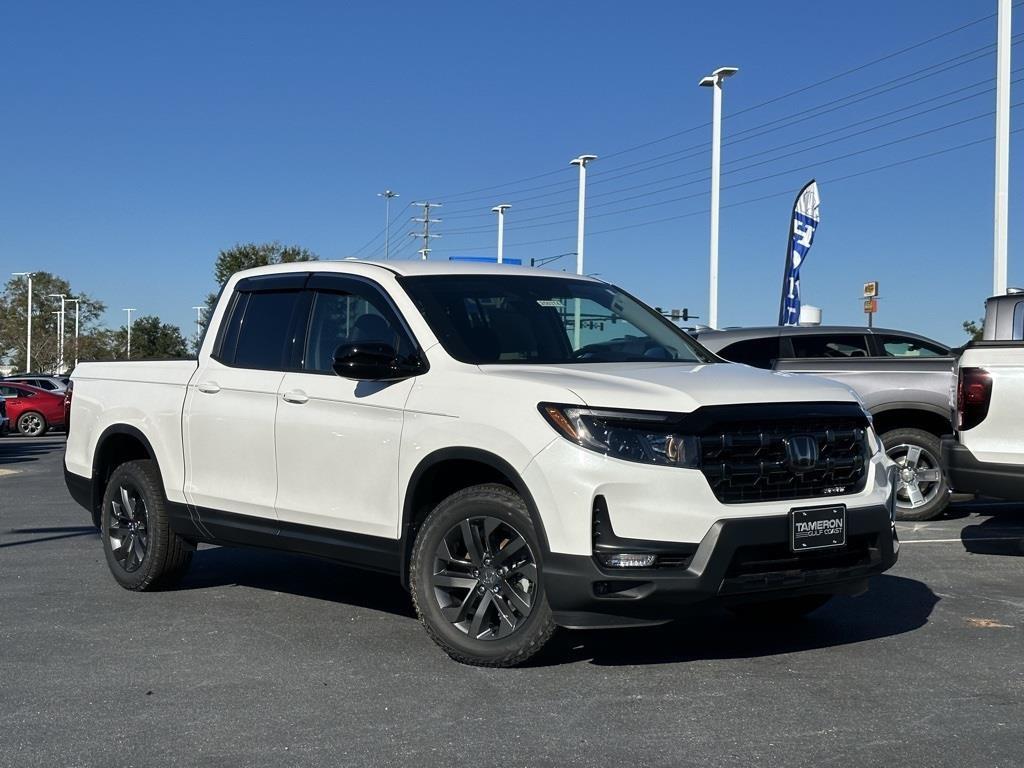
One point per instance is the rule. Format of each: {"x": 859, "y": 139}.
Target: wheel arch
{"x": 922, "y": 416}
{"x": 117, "y": 444}
{"x": 442, "y": 473}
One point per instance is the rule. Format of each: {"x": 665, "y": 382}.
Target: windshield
{"x": 482, "y": 319}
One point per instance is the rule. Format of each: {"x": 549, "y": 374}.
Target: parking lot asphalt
{"x": 262, "y": 658}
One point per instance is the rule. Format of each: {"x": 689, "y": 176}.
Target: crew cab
{"x": 903, "y": 379}
{"x": 523, "y": 449}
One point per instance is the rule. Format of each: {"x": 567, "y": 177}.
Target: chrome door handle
{"x": 209, "y": 387}
{"x": 296, "y": 396}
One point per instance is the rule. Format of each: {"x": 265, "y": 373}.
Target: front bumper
{"x": 968, "y": 475}
{"x": 738, "y": 560}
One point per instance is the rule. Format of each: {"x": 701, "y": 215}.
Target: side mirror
{"x": 374, "y": 361}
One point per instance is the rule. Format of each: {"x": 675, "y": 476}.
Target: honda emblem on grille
{"x": 801, "y": 452}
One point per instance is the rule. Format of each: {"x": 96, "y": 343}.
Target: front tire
{"x": 32, "y": 424}
{"x": 142, "y": 551}
{"x": 922, "y": 492}
{"x": 476, "y": 578}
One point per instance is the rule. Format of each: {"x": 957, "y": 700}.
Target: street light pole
{"x": 387, "y": 194}
{"x": 1003, "y": 75}
{"x": 60, "y": 332}
{"x": 129, "y": 310}
{"x": 76, "y": 329}
{"x": 582, "y": 162}
{"x": 199, "y": 325}
{"x": 500, "y": 210}
{"x": 714, "y": 81}
{"x": 28, "y": 338}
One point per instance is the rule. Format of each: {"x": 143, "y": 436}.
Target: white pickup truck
{"x": 522, "y": 448}
{"x": 986, "y": 456}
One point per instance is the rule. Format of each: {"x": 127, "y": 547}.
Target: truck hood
{"x": 675, "y": 387}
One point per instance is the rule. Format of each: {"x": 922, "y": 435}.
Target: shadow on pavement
{"x": 1002, "y": 534}
{"x": 893, "y": 606}
{"x": 296, "y": 575}
{"x": 62, "y": 533}
{"x": 15, "y": 449}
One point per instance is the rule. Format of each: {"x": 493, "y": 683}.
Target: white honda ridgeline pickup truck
{"x": 522, "y": 448}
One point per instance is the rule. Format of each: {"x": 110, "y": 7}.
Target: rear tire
{"x": 32, "y": 424}
{"x": 142, "y": 551}
{"x": 922, "y": 493}
{"x": 476, "y": 578}
{"x": 780, "y": 611}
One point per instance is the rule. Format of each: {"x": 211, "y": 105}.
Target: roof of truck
{"x": 411, "y": 267}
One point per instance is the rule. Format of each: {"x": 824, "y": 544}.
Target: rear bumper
{"x": 968, "y": 475}
{"x": 739, "y": 560}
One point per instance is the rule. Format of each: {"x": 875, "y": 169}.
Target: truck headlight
{"x": 648, "y": 437}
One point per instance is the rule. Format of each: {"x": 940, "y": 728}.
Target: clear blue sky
{"x": 138, "y": 139}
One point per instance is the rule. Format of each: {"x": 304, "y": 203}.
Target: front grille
{"x": 777, "y": 558}
{"x": 750, "y": 462}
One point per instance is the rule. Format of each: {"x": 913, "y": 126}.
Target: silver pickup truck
{"x": 905, "y": 381}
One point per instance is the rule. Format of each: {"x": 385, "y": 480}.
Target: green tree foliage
{"x": 150, "y": 339}
{"x": 249, "y": 255}
{"x": 13, "y": 317}
{"x": 974, "y": 329}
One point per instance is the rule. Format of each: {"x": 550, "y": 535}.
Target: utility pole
{"x": 129, "y": 310}
{"x": 500, "y": 210}
{"x": 1001, "y": 218}
{"x": 582, "y": 162}
{"x": 28, "y": 339}
{"x": 714, "y": 81}
{"x": 57, "y": 372}
{"x": 426, "y": 221}
{"x": 76, "y": 329}
{"x": 199, "y": 325}
{"x": 387, "y": 194}
{"x": 60, "y": 332}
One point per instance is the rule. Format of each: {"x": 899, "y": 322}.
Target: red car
{"x": 32, "y": 411}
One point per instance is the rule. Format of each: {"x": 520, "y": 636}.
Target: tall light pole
{"x": 582, "y": 162}
{"x": 714, "y": 81}
{"x": 129, "y": 310}
{"x": 28, "y": 338}
{"x": 76, "y": 328}
{"x": 60, "y": 331}
{"x": 199, "y": 325}
{"x": 387, "y": 194}
{"x": 1003, "y": 45}
{"x": 500, "y": 210}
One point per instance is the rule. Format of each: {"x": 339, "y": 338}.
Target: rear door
{"x": 231, "y": 403}
{"x": 338, "y": 439}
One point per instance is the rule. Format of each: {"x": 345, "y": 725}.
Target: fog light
{"x": 627, "y": 560}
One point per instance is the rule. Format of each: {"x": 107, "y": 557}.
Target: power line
{"x": 426, "y": 221}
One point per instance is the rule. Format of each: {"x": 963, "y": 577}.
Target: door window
{"x": 829, "y": 346}
{"x": 349, "y": 316}
{"x": 259, "y": 331}
{"x": 760, "y": 353}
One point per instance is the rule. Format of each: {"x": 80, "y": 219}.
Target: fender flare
{"x": 465, "y": 454}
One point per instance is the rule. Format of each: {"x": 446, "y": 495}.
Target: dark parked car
{"x": 904, "y": 379}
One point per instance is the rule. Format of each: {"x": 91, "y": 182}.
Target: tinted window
{"x": 903, "y": 346}
{"x": 760, "y": 353}
{"x": 14, "y": 392}
{"x": 341, "y": 317}
{"x": 1018, "y": 321}
{"x": 264, "y": 338}
{"x": 522, "y": 319}
{"x": 830, "y": 346}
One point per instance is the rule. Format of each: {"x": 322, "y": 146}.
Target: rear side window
{"x": 903, "y": 346}
{"x": 830, "y": 346}
{"x": 760, "y": 353}
{"x": 259, "y": 330}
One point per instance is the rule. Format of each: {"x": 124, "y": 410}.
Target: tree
{"x": 249, "y": 255}
{"x": 13, "y": 321}
{"x": 150, "y": 339}
{"x": 974, "y": 329}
